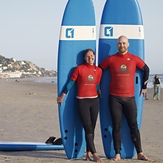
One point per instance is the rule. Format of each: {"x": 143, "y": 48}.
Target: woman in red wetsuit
{"x": 122, "y": 66}
{"x": 87, "y": 76}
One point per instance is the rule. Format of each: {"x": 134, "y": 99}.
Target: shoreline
{"x": 29, "y": 113}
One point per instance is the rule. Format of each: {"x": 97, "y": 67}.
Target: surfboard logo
{"x": 123, "y": 67}
{"x": 69, "y": 33}
{"x": 78, "y": 33}
{"x": 113, "y": 31}
{"x": 108, "y": 31}
{"x": 90, "y": 77}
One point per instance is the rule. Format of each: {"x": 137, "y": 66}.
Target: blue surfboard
{"x": 28, "y": 146}
{"x": 78, "y": 32}
{"x": 120, "y": 17}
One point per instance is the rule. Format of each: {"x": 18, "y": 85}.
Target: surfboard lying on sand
{"x": 120, "y": 17}
{"x": 27, "y": 146}
{"x": 78, "y": 32}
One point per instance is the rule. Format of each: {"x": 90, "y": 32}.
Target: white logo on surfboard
{"x": 114, "y": 31}
{"x": 78, "y": 33}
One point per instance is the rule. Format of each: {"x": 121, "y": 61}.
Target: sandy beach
{"x": 29, "y": 113}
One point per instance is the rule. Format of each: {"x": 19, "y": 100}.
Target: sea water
{"x": 54, "y": 80}
{"x": 46, "y": 80}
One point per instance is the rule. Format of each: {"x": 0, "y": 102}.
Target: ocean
{"x": 46, "y": 80}
{"x": 54, "y": 80}
{"x": 39, "y": 80}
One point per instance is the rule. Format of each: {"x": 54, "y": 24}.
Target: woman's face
{"x": 89, "y": 58}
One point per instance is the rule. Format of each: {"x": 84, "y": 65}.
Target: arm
{"x": 100, "y": 67}
{"x": 160, "y": 83}
{"x": 98, "y": 90}
{"x": 60, "y": 98}
{"x": 145, "y": 79}
{"x": 65, "y": 91}
{"x": 105, "y": 63}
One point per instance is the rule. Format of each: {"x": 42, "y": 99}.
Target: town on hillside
{"x": 11, "y": 68}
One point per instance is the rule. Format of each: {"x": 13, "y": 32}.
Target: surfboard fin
{"x": 54, "y": 141}
{"x": 58, "y": 142}
{"x": 50, "y": 140}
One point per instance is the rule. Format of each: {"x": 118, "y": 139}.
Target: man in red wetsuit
{"x": 87, "y": 76}
{"x": 122, "y": 66}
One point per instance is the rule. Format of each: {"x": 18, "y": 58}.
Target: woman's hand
{"x": 60, "y": 99}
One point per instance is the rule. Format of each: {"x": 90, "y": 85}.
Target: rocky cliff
{"x": 11, "y": 68}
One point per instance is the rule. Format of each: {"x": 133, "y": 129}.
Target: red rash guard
{"x": 122, "y": 70}
{"x": 87, "y": 77}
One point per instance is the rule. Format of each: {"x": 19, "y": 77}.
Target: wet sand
{"x": 29, "y": 113}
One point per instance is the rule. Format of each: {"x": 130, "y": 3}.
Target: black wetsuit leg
{"x": 118, "y": 105}
{"x": 130, "y": 111}
{"x": 115, "y": 107}
{"x": 88, "y": 111}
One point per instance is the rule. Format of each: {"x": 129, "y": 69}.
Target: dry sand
{"x": 28, "y": 113}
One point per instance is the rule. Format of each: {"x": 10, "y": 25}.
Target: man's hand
{"x": 143, "y": 91}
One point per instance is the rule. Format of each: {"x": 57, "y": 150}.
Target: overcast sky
{"x": 29, "y": 30}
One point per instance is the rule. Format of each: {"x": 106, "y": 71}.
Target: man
{"x": 122, "y": 66}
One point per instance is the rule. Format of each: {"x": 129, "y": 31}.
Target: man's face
{"x": 122, "y": 45}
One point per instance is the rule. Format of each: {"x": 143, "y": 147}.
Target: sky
{"x": 29, "y": 30}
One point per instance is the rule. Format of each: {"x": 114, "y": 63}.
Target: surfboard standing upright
{"x": 78, "y": 32}
{"x": 120, "y": 17}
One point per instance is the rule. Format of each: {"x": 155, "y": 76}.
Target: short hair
{"x": 87, "y": 50}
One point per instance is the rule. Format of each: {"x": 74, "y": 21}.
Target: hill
{"x": 11, "y": 68}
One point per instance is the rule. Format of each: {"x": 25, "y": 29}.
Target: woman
{"x": 88, "y": 78}
{"x": 156, "y": 86}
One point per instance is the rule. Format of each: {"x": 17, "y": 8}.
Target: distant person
{"x": 122, "y": 66}
{"x": 87, "y": 76}
{"x": 157, "y": 87}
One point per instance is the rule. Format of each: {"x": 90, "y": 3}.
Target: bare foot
{"x": 96, "y": 158}
{"x": 141, "y": 156}
{"x": 88, "y": 157}
{"x": 117, "y": 157}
